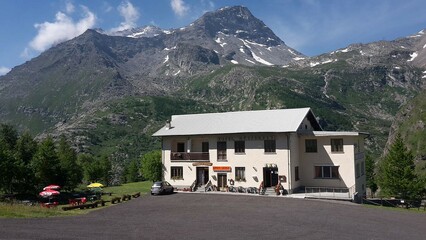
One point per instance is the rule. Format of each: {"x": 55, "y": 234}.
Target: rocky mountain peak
{"x": 238, "y": 21}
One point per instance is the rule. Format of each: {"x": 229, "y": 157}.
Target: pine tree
{"x": 71, "y": 172}
{"x": 397, "y": 177}
{"x": 370, "y": 174}
{"x": 46, "y": 163}
{"x": 26, "y": 148}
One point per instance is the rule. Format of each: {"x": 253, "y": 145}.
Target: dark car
{"x": 161, "y": 187}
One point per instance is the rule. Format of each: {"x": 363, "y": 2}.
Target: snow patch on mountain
{"x": 313, "y": 64}
{"x": 261, "y": 60}
{"x": 413, "y": 56}
{"x": 166, "y": 59}
{"x": 291, "y": 51}
{"x": 234, "y": 62}
{"x": 250, "y": 61}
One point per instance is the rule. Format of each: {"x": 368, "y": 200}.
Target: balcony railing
{"x": 192, "y": 156}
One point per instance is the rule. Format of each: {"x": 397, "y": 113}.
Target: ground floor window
{"x": 326, "y": 171}
{"x": 240, "y": 173}
{"x": 176, "y": 172}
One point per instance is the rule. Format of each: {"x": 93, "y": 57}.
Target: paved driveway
{"x": 210, "y": 216}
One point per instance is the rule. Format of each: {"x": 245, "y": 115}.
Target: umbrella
{"x": 52, "y": 187}
{"x": 49, "y": 193}
{"x": 95, "y": 185}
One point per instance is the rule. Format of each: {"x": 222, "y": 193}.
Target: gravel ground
{"x": 216, "y": 216}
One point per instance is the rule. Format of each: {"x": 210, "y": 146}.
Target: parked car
{"x": 161, "y": 187}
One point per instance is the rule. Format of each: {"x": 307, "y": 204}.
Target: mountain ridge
{"x": 96, "y": 87}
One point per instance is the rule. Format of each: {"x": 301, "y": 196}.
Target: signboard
{"x": 202, "y": 164}
{"x": 221, "y": 169}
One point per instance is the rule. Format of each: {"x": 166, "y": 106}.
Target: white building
{"x": 268, "y": 146}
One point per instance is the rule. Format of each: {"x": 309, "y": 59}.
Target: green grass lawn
{"x": 8, "y": 210}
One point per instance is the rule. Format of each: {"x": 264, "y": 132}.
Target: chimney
{"x": 168, "y": 125}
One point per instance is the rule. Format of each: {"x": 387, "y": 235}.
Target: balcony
{"x": 192, "y": 156}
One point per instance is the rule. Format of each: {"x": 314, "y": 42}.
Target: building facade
{"x": 266, "y": 147}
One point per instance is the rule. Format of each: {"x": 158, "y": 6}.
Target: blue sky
{"x": 312, "y": 27}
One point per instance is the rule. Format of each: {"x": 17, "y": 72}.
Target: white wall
{"x": 254, "y": 159}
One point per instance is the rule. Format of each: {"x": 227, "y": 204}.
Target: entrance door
{"x": 221, "y": 180}
{"x": 202, "y": 175}
{"x": 270, "y": 177}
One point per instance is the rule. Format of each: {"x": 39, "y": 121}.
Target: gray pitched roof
{"x": 271, "y": 121}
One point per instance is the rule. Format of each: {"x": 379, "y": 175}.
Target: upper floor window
{"x": 326, "y": 171}
{"x": 270, "y": 146}
{"x": 240, "y": 146}
{"x": 311, "y": 145}
{"x": 337, "y": 144}
{"x": 221, "y": 151}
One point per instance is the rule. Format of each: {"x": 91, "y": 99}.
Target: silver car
{"x": 161, "y": 187}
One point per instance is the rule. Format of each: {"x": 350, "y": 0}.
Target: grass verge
{"x": 15, "y": 210}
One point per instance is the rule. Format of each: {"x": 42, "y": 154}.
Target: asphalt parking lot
{"x": 210, "y": 216}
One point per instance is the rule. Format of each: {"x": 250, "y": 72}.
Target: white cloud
{"x": 4, "y": 70}
{"x": 130, "y": 15}
{"x": 62, "y": 29}
{"x": 69, "y": 8}
{"x": 179, "y": 7}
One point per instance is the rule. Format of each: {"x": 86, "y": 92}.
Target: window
{"x": 362, "y": 168}
{"x": 180, "y": 147}
{"x": 296, "y": 173}
{"x": 176, "y": 173}
{"x": 310, "y": 145}
{"x": 326, "y": 171}
{"x": 240, "y": 173}
{"x": 205, "y": 147}
{"x": 270, "y": 146}
{"x": 221, "y": 151}
{"x": 337, "y": 145}
{"x": 240, "y": 146}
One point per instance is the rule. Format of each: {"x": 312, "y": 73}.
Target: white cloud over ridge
{"x": 4, "y": 70}
{"x": 130, "y": 15}
{"x": 179, "y": 7}
{"x": 62, "y": 29}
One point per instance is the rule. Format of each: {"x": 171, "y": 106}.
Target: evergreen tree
{"x": 8, "y": 136}
{"x": 71, "y": 172}
{"x": 7, "y": 169}
{"x": 132, "y": 172}
{"x": 152, "y": 168}
{"x": 95, "y": 169}
{"x": 12, "y": 167}
{"x": 106, "y": 167}
{"x": 397, "y": 177}
{"x": 87, "y": 161}
{"x": 26, "y": 148}
{"x": 370, "y": 174}
{"x": 45, "y": 164}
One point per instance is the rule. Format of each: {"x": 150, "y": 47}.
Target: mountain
{"x": 110, "y": 91}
